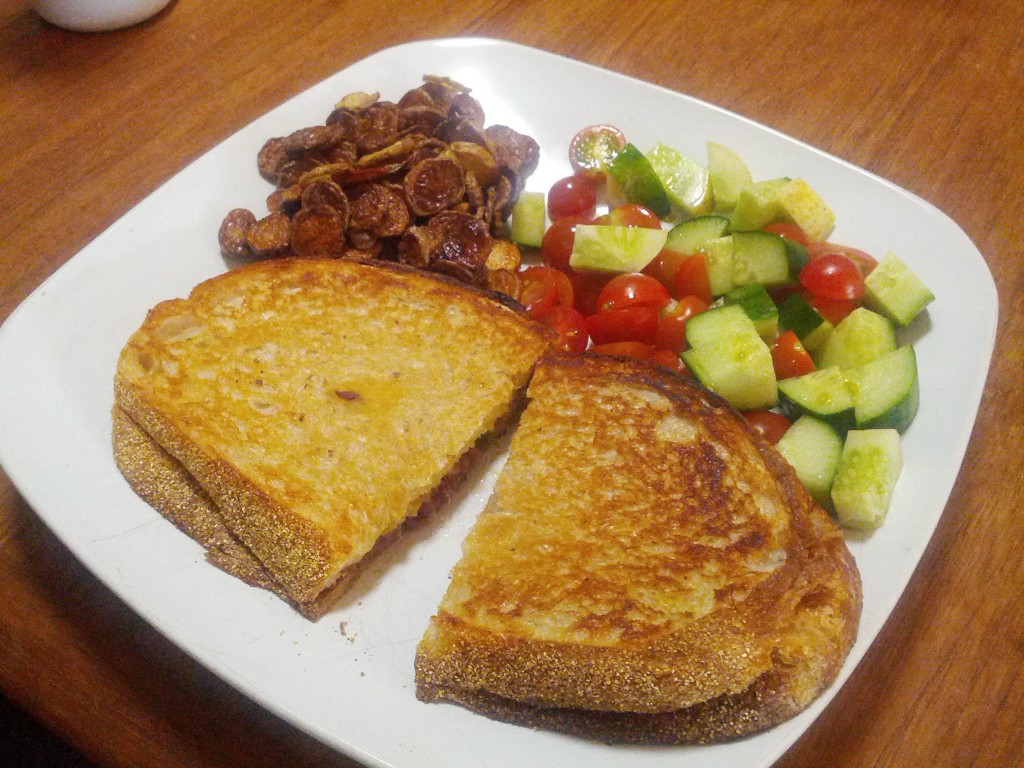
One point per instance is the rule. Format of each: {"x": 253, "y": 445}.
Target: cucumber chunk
{"x": 690, "y": 236}
{"x": 792, "y": 200}
{"x": 685, "y": 181}
{"x": 823, "y": 394}
{"x": 612, "y": 248}
{"x": 803, "y": 206}
{"x": 728, "y": 174}
{"x": 893, "y": 290}
{"x": 637, "y": 180}
{"x": 797, "y": 315}
{"x": 716, "y": 323}
{"x": 738, "y": 368}
{"x": 728, "y": 357}
{"x": 719, "y": 253}
{"x": 759, "y": 307}
{"x": 759, "y": 257}
{"x": 885, "y": 391}
{"x": 813, "y": 448}
{"x": 860, "y": 337}
{"x": 528, "y": 219}
{"x": 757, "y": 205}
{"x": 871, "y": 463}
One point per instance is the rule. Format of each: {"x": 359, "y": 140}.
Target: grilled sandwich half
{"x": 647, "y": 570}
{"x": 291, "y": 414}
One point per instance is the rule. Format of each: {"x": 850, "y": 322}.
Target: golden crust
{"x": 695, "y": 593}
{"x": 306, "y": 400}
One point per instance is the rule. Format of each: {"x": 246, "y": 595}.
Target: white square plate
{"x": 348, "y": 679}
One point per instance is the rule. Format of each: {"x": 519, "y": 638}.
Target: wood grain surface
{"x": 926, "y": 93}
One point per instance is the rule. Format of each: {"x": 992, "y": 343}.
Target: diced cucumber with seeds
{"x": 885, "y": 391}
{"x": 870, "y": 465}
{"x": 823, "y": 394}
{"x": 895, "y": 291}
{"x": 813, "y": 448}
{"x": 719, "y": 254}
{"x": 759, "y": 257}
{"x": 729, "y": 357}
{"x": 715, "y": 323}
{"x": 738, "y": 368}
{"x": 860, "y": 337}
{"x": 528, "y": 219}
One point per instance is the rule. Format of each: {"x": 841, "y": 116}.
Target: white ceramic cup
{"x": 96, "y": 15}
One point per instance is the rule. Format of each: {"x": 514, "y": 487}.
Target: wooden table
{"x": 927, "y": 94}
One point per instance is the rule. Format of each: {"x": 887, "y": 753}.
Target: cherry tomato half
{"x": 592, "y": 148}
{"x": 672, "y": 324}
{"x": 666, "y": 358}
{"x": 664, "y": 266}
{"x": 625, "y": 348}
{"x": 833, "y": 277}
{"x": 556, "y": 247}
{"x": 833, "y": 311}
{"x": 789, "y": 357}
{"x": 573, "y": 196}
{"x": 864, "y": 260}
{"x": 543, "y": 288}
{"x": 570, "y": 324}
{"x": 789, "y": 231}
{"x": 631, "y": 324}
{"x": 587, "y": 286}
{"x": 692, "y": 278}
{"x": 770, "y": 424}
{"x": 632, "y": 289}
{"x": 632, "y": 215}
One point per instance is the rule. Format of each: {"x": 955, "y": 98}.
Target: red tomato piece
{"x": 833, "y": 277}
{"x": 672, "y": 324}
{"x": 833, "y": 311}
{"x": 632, "y": 289}
{"x": 789, "y": 357}
{"x": 556, "y": 247}
{"x": 570, "y": 324}
{"x": 573, "y": 196}
{"x": 543, "y": 288}
{"x": 592, "y": 148}
{"x": 587, "y": 287}
{"x": 664, "y": 267}
{"x": 633, "y": 215}
{"x": 669, "y": 359}
{"x": 788, "y": 230}
{"x": 692, "y": 278}
{"x": 626, "y": 348}
{"x": 630, "y": 324}
{"x": 864, "y": 260}
{"x": 770, "y": 424}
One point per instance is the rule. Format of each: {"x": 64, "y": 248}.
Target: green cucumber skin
{"x": 823, "y": 394}
{"x": 759, "y": 308}
{"x": 797, "y": 315}
{"x": 636, "y": 177}
{"x": 690, "y": 236}
{"x": 886, "y": 391}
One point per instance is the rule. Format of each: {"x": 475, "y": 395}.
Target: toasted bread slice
{"x": 647, "y": 569}
{"x": 311, "y": 406}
